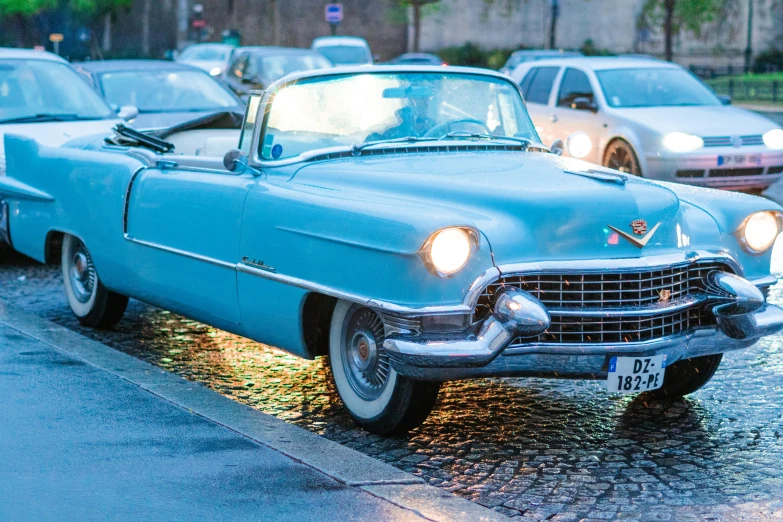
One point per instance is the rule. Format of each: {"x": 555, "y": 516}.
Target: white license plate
{"x": 739, "y": 161}
{"x": 636, "y": 374}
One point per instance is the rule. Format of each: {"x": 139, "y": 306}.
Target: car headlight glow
{"x": 681, "y": 142}
{"x": 759, "y": 231}
{"x": 579, "y": 145}
{"x": 774, "y": 139}
{"x": 215, "y": 71}
{"x": 447, "y": 251}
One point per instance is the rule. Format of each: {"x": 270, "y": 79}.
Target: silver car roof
{"x": 29, "y": 54}
{"x": 600, "y": 63}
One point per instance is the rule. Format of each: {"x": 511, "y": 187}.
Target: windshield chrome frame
{"x": 259, "y": 131}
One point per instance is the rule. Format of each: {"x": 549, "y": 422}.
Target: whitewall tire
{"x": 378, "y": 399}
{"x": 92, "y": 303}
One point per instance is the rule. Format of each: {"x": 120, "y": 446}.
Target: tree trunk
{"x": 106, "y": 45}
{"x": 21, "y": 30}
{"x": 275, "y": 22}
{"x": 668, "y": 28}
{"x": 416, "y": 27}
{"x": 553, "y": 27}
{"x": 145, "y": 28}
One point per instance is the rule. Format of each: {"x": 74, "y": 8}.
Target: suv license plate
{"x": 636, "y": 374}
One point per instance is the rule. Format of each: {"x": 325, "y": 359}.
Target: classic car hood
{"x": 718, "y": 120}
{"x": 529, "y": 206}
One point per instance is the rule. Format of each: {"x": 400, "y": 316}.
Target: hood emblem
{"x": 639, "y": 228}
{"x": 736, "y": 142}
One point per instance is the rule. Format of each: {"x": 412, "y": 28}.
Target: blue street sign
{"x": 334, "y": 13}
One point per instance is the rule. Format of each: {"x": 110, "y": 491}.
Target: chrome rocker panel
{"x": 741, "y": 314}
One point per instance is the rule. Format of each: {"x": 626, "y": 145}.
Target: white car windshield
{"x": 351, "y": 110}
{"x": 653, "y": 87}
{"x": 39, "y": 90}
{"x": 207, "y": 53}
{"x": 166, "y": 91}
{"x": 274, "y": 67}
{"x": 345, "y": 54}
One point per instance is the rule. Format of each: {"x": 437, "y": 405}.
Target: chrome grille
{"x": 727, "y": 141}
{"x": 621, "y": 291}
{"x": 625, "y": 329}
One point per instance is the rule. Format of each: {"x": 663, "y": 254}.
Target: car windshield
{"x": 33, "y": 88}
{"x": 166, "y": 90}
{"x": 275, "y": 67}
{"x": 351, "y": 110}
{"x": 653, "y": 87}
{"x": 345, "y": 54}
{"x": 207, "y": 53}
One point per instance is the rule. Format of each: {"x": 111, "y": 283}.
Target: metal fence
{"x": 761, "y": 91}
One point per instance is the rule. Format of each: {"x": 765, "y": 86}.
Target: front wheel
{"x": 377, "y": 398}
{"x": 92, "y": 303}
{"x": 620, "y": 156}
{"x": 686, "y": 376}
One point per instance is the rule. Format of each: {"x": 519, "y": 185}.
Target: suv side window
{"x": 575, "y": 85}
{"x": 541, "y": 81}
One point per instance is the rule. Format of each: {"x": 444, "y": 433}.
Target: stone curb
{"x": 334, "y": 460}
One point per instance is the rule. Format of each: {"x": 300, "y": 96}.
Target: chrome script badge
{"x": 639, "y": 228}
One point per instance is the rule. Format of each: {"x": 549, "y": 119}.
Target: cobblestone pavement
{"x": 545, "y": 450}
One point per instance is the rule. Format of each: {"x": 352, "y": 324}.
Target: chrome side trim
{"x": 183, "y": 253}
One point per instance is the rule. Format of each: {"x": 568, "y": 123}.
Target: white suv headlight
{"x": 681, "y": 142}
{"x": 774, "y": 139}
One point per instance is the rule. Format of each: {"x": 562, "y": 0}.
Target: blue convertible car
{"x": 407, "y": 223}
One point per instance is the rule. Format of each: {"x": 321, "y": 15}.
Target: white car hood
{"x": 54, "y": 134}
{"x": 718, "y": 120}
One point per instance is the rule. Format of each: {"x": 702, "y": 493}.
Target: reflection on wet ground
{"x": 553, "y": 450}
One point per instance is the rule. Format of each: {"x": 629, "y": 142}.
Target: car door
{"x": 576, "y": 110}
{"x": 184, "y": 218}
{"x": 537, "y": 86}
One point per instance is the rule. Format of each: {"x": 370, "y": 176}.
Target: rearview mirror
{"x": 584, "y": 104}
{"x": 128, "y": 112}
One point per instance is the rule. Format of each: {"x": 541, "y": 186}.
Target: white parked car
{"x": 211, "y": 57}
{"x": 344, "y": 50}
{"x": 43, "y": 97}
{"x": 652, "y": 119}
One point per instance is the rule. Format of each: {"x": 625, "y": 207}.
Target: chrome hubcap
{"x": 82, "y": 273}
{"x": 366, "y": 363}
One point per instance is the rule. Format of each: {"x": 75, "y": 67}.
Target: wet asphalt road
{"x": 547, "y": 450}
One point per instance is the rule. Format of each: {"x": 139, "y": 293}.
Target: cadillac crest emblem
{"x": 639, "y": 227}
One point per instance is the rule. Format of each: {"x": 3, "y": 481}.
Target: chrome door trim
{"x": 182, "y": 253}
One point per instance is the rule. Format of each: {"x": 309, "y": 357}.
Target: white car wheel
{"x": 374, "y": 394}
{"x": 90, "y": 301}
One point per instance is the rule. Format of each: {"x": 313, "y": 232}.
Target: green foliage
{"x": 92, "y": 9}
{"x": 688, "y": 14}
{"x": 472, "y": 55}
{"x": 589, "y": 49}
{"x": 25, "y": 7}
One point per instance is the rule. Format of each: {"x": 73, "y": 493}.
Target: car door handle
{"x": 553, "y": 118}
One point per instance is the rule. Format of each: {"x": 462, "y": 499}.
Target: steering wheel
{"x": 446, "y": 127}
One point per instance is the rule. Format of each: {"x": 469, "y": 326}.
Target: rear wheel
{"x": 686, "y": 376}
{"x": 377, "y": 398}
{"x": 92, "y": 303}
{"x": 620, "y": 156}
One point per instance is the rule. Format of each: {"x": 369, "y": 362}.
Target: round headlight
{"x": 761, "y": 230}
{"x": 579, "y": 145}
{"x": 681, "y": 142}
{"x": 774, "y": 139}
{"x": 215, "y": 71}
{"x": 450, "y": 250}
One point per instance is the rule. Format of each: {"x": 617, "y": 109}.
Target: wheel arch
{"x": 316, "y": 321}
{"x": 631, "y": 142}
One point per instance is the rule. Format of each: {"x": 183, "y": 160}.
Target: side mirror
{"x": 557, "y": 148}
{"x": 128, "y": 112}
{"x": 724, "y": 99}
{"x": 235, "y": 160}
{"x": 584, "y": 104}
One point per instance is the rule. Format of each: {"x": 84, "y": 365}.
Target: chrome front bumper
{"x": 741, "y": 314}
